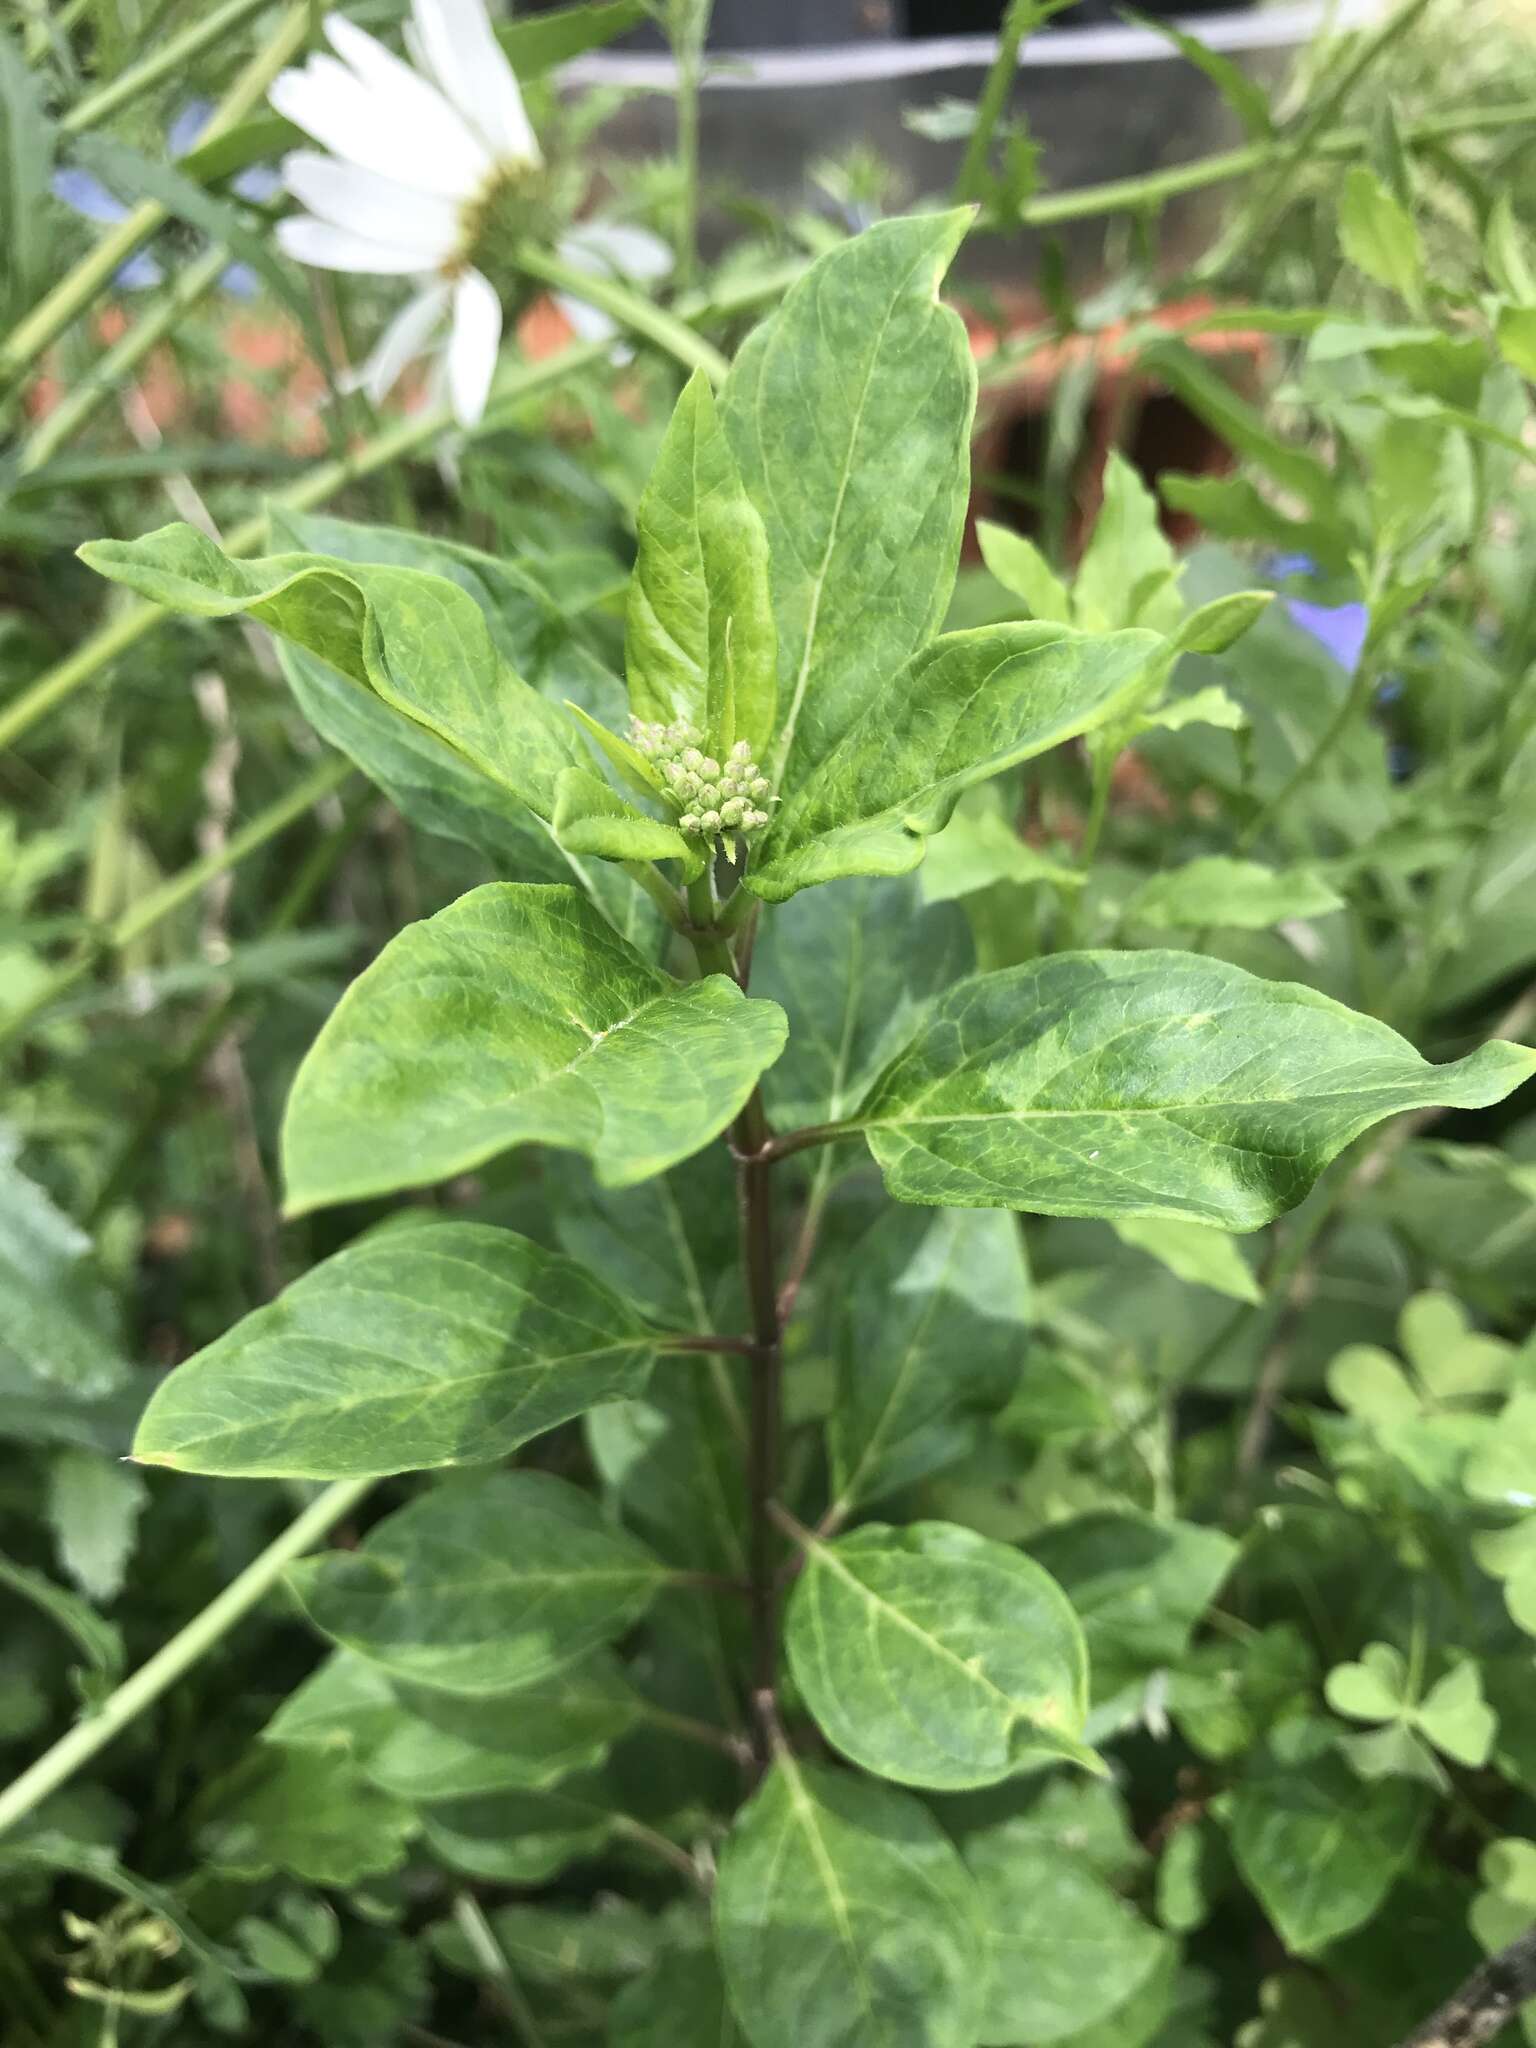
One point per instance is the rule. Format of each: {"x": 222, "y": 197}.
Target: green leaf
{"x": 981, "y": 845}
{"x": 1378, "y": 234}
{"x": 94, "y": 1504}
{"x": 419, "y": 642}
{"x": 449, "y": 1344}
{"x": 937, "y": 1657}
{"x": 563, "y": 1945}
{"x": 1209, "y": 706}
{"x": 345, "y": 1703}
{"x": 1214, "y": 627}
{"x": 1241, "y": 894}
{"x": 968, "y": 706}
{"x": 700, "y": 643}
{"x": 1153, "y": 1084}
{"x": 1242, "y": 93}
{"x": 1127, "y": 555}
{"x": 482, "y": 1585}
{"x": 27, "y": 142}
{"x": 592, "y": 818}
{"x": 525, "y": 1838}
{"x": 679, "y": 2004}
{"x": 1457, "y": 1719}
{"x": 850, "y": 413}
{"x": 1138, "y": 1586}
{"x": 856, "y": 966}
{"x": 675, "y": 1463}
{"x": 98, "y": 1640}
{"x": 1516, "y": 334}
{"x": 537, "y": 43}
{"x": 441, "y": 1747}
{"x": 1195, "y": 1252}
{"x": 57, "y": 1322}
{"x": 517, "y": 1016}
{"x": 931, "y": 1333}
{"x": 1024, "y": 572}
{"x": 310, "y": 1812}
{"x": 1374, "y": 1689}
{"x": 1064, "y": 1949}
{"x": 844, "y": 1915}
{"x": 1321, "y": 1847}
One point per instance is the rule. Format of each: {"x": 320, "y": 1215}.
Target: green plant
{"x": 685, "y": 961}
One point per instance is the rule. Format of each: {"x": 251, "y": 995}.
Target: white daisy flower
{"x": 431, "y": 165}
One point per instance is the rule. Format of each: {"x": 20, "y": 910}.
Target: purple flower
{"x": 84, "y": 193}
{"x": 1340, "y": 628}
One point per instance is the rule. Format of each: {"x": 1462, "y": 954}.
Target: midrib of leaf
{"x": 837, "y": 1899}
{"x": 824, "y": 1555}
{"x": 818, "y": 581}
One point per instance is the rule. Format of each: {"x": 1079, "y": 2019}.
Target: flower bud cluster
{"x": 714, "y": 796}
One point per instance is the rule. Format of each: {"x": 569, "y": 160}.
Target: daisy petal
{"x": 404, "y": 339}
{"x": 605, "y": 245}
{"x": 327, "y": 247}
{"x": 472, "y": 346}
{"x": 350, "y": 197}
{"x": 427, "y": 126}
{"x": 460, "y": 50}
{"x": 588, "y": 322}
{"x": 332, "y": 104}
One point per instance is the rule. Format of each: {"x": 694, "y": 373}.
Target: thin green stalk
{"x": 177, "y": 1657}
{"x": 1127, "y": 195}
{"x": 172, "y": 57}
{"x": 631, "y": 309}
{"x": 491, "y": 1957}
{"x": 401, "y": 438}
{"x": 1021, "y": 18}
{"x": 112, "y": 370}
{"x": 1351, "y": 708}
{"x": 688, "y": 32}
{"x": 180, "y": 888}
{"x": 92, "y": 275}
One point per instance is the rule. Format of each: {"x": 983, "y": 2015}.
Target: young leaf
{"x": 94, "y": 1504}
{"x": 855, "y": 965}
{"x": 1152, "y": 1084}
{"x": 418, "y": 641}
{"x": 937, "y": 1657}
{"x": 57, "y": 1322}
{"x": 931, "y": 1333}
{"x": 843, "y": 1915}
{"x": 517, "y": 1016}
{"x": 482, "y": 1585}
{"x": 1024, "y": 572}
{"x": 1194, "y": 1252}
{"x": 1214, "y": 627}
{"x": 968, "y": 706}
{"x": 592, "y": 818}
{"x": 850, "y": 414}
{"x": 448, "y": 1344}
{"x": 701, "y": 644}
{"x": 1242, "y": 894}
{"x": 1065, "y": 1950}
{"x": 1379, "y": 235}
{"x": 1127, "y": 555}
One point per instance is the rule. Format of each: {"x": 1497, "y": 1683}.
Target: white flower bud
{"x": 729, "y": 786}
{"x": 757, "y": 787}
{"x": 685, "y": 782}
{"x": 709, "y": 768}
{"x": 731, "y": 812}
{"x": 689, "y": 823}
{"x": 754, "y": 819}
{"x": 742, "y": 751}
{"x": 709, "y": 794}
{"x": 692, "y": 758}
{"x": 709, "y": 823}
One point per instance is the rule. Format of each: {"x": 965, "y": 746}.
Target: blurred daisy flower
{"x": 433, "y": 172}
{"x": 84, "y": 193}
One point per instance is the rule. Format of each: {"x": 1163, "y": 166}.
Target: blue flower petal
{"x": 86, "y": 195}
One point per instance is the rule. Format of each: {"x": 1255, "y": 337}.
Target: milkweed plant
{"x": 893, "y": 1401}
